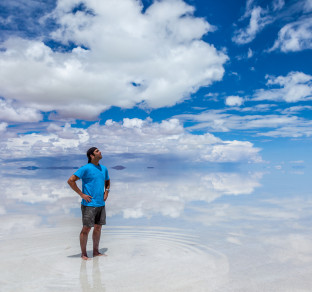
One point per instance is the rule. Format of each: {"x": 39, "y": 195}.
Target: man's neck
{"x": 96, "y": 162}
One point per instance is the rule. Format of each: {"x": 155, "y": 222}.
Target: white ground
{"x": 148, "y": 259}
{"x": 142, "y": 259}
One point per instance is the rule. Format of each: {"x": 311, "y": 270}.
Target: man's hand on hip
{"x": 86, "y": 197}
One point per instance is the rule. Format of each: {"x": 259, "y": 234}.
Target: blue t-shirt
{"x": 93, "y": 183}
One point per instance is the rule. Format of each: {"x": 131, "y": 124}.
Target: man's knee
{"x": 85, "y": 230}
{"x": 97, "y": 227}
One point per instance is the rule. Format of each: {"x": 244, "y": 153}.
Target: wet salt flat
{"x": 180, "y": 229}
{"x": 138, "y": 259}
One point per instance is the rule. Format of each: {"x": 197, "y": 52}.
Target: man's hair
{"x": 89, "y": 152}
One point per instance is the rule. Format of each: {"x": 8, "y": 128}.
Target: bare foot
{"x": 85, "y": 258}
{"x": 98, "y": 254}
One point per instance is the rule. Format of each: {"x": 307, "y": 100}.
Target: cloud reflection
{"x": 168, "y": 196}
{"x": 142, "y": 193}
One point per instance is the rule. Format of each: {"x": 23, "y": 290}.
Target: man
{"x": 95, "y": 189}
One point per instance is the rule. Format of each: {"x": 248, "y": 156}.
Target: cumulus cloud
{"x": 122, "y": 57}
{"x": 294, "y": 87}
{"x": 295, "y": 36}
{"x": 131, "y": 136}
{"x": 234, "y": 100}
{"x": 12, "y": 112}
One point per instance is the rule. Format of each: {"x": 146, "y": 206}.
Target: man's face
{"x": 97, "y": 154}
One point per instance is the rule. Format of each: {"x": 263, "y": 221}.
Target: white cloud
{"x": 131, "y": 136}
{"x": 258, "y": 20}
{"x": 157, "y": 57}
{"x": 295, "y": 36}
{"x": 297, "y": 161}
{"x": 282, "y": 125}
{"x": 12, "y": 112}
{"x": 278, "y": 4}
{"x": 234, "y": 100}
{"x": 170, "y": 137}
{"x": 294, "y": 87}
{"x": 2, "y": 210}
{"x": 308, "y": 5}
{"x": 5, "y": 21}
{"x": 258, "y": 108}
{"x": 233, "y": 240}
{"x": 296, "y": 109}
{"x": 219, "y": 121}
{"x": 3, "y": 127}
{"x": 250, "y": 53}
{"x": 245, "y": 56}
{"x": 303, "y": 129}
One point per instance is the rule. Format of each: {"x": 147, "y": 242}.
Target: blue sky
{"x": 204, "y": 81}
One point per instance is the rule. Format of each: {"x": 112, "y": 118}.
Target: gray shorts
{"x": 93, "y": 215}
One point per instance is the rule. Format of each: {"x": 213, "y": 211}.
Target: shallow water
{"x": 169, "y": 228}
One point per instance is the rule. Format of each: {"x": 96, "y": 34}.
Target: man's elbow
{"x": 70, "y": 181}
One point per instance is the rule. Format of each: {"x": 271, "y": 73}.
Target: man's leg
{"x": 96, "y": 239}
{"x": 83, "y": 241}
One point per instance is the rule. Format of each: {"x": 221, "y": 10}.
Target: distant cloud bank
{"x": 130, "y": 136}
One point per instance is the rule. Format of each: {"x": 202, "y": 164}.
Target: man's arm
{"x": 72, "y": 182}
{"x": 107, "y": 187}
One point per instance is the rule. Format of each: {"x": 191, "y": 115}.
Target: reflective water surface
{"x": 170, "y": 227}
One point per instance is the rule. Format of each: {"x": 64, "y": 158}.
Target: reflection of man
{"x": 86, "y": 285}
{"x": 95, "y": 180}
